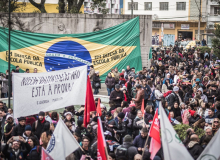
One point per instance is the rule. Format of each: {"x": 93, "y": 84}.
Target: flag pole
{"x": 145, "y": 145}
{"x": 9, "y": 53}
{"x": 106, "y": 152}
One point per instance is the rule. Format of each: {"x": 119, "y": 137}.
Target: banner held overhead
{"x": 116, "y": 46}
{"x": 36, "y": 92}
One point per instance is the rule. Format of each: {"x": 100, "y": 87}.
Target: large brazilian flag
{"x": 117, "y": 46}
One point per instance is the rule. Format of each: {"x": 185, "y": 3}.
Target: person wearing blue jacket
{"x": 168, "y": 77}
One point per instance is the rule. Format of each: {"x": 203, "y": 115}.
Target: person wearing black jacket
{"x": 34, "y": 149}
{"x": 173, "y": 97}
{"x": 38, "y": 126}
{"x": 176, "y": 110}
{"x": 96, "y": 85}
{"x": 87, "y": 151}
{"x": 19, "y": 129}
{"x": 193, "y": 147}
{"x": 121, "y": 129}
{"x": 18, "y": 150}
{"x": 126, "y": 150}
{"x": 117, "y": 96}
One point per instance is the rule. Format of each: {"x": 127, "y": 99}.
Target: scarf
{"x": 43, "y": 120}
{"x": 125, "y": 97}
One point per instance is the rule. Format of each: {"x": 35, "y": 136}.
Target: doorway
{"x": 185, "y": 35}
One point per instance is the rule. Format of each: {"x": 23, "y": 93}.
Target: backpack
{"x": 121, "y": 152}
{"x": 168, "y": 97}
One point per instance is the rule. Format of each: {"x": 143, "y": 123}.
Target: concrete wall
{"x": 83, "y": 23}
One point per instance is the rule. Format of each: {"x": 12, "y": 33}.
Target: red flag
{"x": 89, "y": 104}
{"x": 169, "y": 117}
{"x": 45, "y": 155}
{"x": 142, "y": 106}
{"x": 101, "y": 144}
{"x": 154, "y": 133}
{"x": 99, "y": 111}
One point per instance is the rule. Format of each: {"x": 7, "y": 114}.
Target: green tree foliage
{"x": 101, "y": 5}
{"x": 13, "y": 7}
{"x": 204, "y": 48}
{"x": 181, "y": 131}
{"x": 216, "y": 41}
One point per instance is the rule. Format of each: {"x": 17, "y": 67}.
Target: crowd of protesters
{"x": 186, "y": 82}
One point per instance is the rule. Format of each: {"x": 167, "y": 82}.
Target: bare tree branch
{"x": 40, "y": 6}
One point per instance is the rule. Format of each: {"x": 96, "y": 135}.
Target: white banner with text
{"x": 35, "y": 92}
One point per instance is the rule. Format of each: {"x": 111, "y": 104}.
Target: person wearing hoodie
{"x": 203, "y": 96}
{"x": 193, "y": 118}
{"x": 110, "y": 83}
{"x": 193, "y": 147}
{"x": 127, "y": 150}
{"x": 19, "y": 129}
{"x": 38, "y": 125}
{"x": 28, "y": 133}
{"x": 81, "y": 130}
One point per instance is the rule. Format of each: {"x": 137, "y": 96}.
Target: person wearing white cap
{"x": 174, "y": 97}
{"x": 8, "y": 127}
{"x": 168, "y": 77}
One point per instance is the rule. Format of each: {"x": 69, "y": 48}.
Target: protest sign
{"x": 34, "y": 92}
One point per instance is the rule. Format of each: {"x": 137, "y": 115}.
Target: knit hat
{"x": 68, "y": 113}
{"x": 41, "y": 113}
{"x": 197, "y": 80}
{"x": 192, "y": 112}
{"x": 127, "y": 138}
{"x": 79, "y": 123}
{"x": 121, "y": 115}
{"x": 175, "y": 89}
{"x": 21, "y": 118}
{"x": 28, "y": 128}
{"x": 8, "y": 116}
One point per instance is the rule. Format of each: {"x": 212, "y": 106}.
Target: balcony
{"x": 212, "y": 2}
{"x": 214, "y": 18}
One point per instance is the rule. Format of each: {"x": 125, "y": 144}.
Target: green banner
{"x": 116, "y": 46}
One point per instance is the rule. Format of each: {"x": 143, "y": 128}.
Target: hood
{"x": 192, "y": 144}
{"x": 197, "y": 80}
{"x": 200, "y": 89}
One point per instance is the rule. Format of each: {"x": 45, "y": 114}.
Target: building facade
{"x": 172, "y": 19}
{"x": 112, "y": 5}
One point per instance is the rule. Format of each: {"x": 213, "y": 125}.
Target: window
{"x": 135, "y": 5}
{"x": 180, "y": 6}
{"x": 164, "y": 6}
{"x": 148, "y": 6}
{"x": 216, "y": 10}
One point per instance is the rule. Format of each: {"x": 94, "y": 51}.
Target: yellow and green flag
{"x": 117, "y": 46}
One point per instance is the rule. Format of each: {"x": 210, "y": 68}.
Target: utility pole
{"x": 9, "y": 53}
{"x": 199, "y": 8}
{"x": 111, "y": 7}
{"x": 132, "y": 7}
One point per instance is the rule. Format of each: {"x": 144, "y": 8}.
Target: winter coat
{"x": 173, "y": 98}
{"x": 116, "y": 76}
{"x": 138, "y": 98}
{"x": 139, "y": 141}
{"x": 91, "y": 74}
{"x": 18, "y": 130}
{"x": 194, "y": 149}
{"x": 164, "y": 88}
{"x": 10, "y": 154}
{"x": 96, "y": 79}
{"x": 81, "y": 131}
{"x": 136, "y": 128}
{"x": 35, "y": 153}
{"x": 122, "y": 128}
{"x": 110, "y": 82}
{"x": 147, "y": 91}
{"x": 131, "y": 150}
{"x": 110, "y": 121}
{"x": 129, "y": 88}
{"x": 177, "y": 112}
{"x": 78, "y": 153}
{"x": 210, "y": 94}
{"x": 38, "y": 127}
{"x": 116, "y": 94}
{"x": 192, "y": 119}
{"x": 148, "y": 117}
